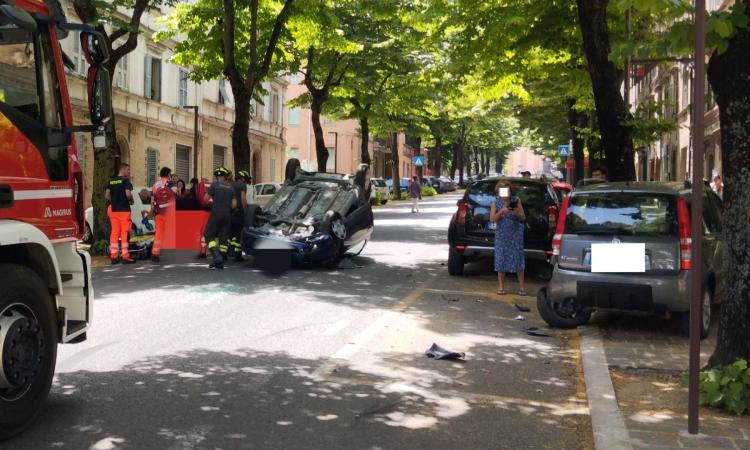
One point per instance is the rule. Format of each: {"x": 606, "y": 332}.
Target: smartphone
{"x": 513, "y": 203}
{"x": 504, "y": 192}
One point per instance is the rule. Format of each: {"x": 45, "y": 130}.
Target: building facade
{"x": 668, "y": 87}
{"x": 155, "y": 129}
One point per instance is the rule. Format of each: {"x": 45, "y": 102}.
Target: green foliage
{"x": 673, "y": 19}
{"x": 380, "y": 198}
{"x": 99, "y": 248}
{"x": 404, "y": 196}
{"x": 647, "y": 124}
{"x": 727, "y": 387}
{"x": 428, "y": 191}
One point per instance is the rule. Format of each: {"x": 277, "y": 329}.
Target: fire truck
{"x": 45, "y": 281}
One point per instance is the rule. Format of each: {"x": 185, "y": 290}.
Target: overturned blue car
{"x": 316, "y": 218}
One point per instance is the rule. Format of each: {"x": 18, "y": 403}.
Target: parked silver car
{"x": 656, "y": 215}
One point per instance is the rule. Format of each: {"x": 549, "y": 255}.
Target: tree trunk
{"x": 728, "y": 74}
{"x": 437, "y": 159}
{"x": 576, "y": 120}
{"x": 461, "y": 160}
{"x": 364, "y": 125}
{"x": 611, "y": 111}
{"x": 321, "y": 152}
{"x": 104, "y": 169}
{"x": 498, "y": 162}
{"x": 393, "y": 141}
{"x": 455, "y": 148}
{"x": 241, "y": 130}
{"x": 467, "y": 154}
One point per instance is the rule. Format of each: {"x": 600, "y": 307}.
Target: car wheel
{"x": 706, "y": 306}
{"x": 88, "y": 236}
{"x": 334, "y": 225}
{"x": 28, "y": 347}
{"x": 561, "y": 315}
{"x": 290, "y": 172}
{"x": 455, "y": 263}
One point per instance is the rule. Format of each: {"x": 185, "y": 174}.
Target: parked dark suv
{"x": 656, "y": 216}
{"x": 470, "y": 235}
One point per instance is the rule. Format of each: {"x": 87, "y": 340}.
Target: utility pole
{"x": 696, "y": 276}
{"x": 195, "y": 138}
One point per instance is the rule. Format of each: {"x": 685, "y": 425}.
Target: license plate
{"x": 491, "y": 226}
{"x": 587, "y": 260}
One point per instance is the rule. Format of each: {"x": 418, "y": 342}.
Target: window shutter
{"x": 147, "y": 78}
{"x": 152, "y": 162}
{"x": 182, "y": 162}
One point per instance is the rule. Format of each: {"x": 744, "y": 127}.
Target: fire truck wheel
{"x": 28, "y": 347}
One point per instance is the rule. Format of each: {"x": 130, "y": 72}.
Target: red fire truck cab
{"x": 45, "y": 282}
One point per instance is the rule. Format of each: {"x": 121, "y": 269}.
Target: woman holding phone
{"x": 506, "y": 212}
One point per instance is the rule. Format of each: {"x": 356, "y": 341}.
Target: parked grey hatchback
{"x": 656, "y": 215}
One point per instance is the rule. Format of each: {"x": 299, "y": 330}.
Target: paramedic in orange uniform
{"x": 119, "y": 194}
{"x": 163, "y": 202}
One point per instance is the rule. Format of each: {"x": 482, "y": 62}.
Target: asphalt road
{"x": 183, "y": 357}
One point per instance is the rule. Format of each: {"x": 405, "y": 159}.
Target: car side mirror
{"x": 100, "y": 96}
{"x": 18, "y": 17}
{"x": 94, "y": 48}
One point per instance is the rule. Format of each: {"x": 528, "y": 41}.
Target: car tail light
{"x": 684, "y": 231}
{"x": 557, "y": 238}
{"x": 463, "y": 210}
{"x": 552, "y": 216}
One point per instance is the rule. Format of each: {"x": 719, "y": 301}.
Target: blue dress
{"x": 508, "y": 243}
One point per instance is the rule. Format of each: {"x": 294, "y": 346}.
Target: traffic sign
{"x": 418, "y": 160}
{"x": 563, "y": 150}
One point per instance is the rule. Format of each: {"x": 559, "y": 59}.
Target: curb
{"x": 608, "y": 425}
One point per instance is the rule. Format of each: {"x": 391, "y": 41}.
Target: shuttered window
{"x": 183, "y": 88}
{"x": 152, "y": 166}
{"x": 152, "y": 78}
{"x": 219, "y": 155}
{"x": 182, "y": 162}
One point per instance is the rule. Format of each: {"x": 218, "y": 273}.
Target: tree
{"x": 728, "y": 73}
{"x": 236, "y": 40}
{"x": 611, "y": 111}
{"x": 728, "y": 41}
{"x": 121, "y": 37}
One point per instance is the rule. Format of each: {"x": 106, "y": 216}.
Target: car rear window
{"x": 622, "y": 213}
{"x": 378, "y": 183}
{"x": 531, "y": 195}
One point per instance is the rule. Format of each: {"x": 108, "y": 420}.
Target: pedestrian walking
{"x": 415, "y": 191}
{"x": 238, "y": 214}
{"x": 218, "y": 227}
{"x": 164, "y": 193}
{"x": 119, "y": 194}
{"x": 506, "y": 212}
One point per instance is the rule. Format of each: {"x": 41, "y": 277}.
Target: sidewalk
{"x": 646, "y": 358}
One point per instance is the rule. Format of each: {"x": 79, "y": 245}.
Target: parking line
{"x": 369, "y": 333}
{"x": 489, "y": 295}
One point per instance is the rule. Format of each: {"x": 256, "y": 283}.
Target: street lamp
{"x": 195, "y": 138}
{"x": 335, "y": 150}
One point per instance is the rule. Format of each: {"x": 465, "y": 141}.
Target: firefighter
{"x": 238, "y": 214}
{"x": 218, "y": 227}
{"x": 119, "y": 194}
{"x": 164, "y": 193}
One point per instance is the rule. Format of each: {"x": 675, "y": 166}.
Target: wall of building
{"x": 342, "y": 138}
{"x": 157, "y": 127}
